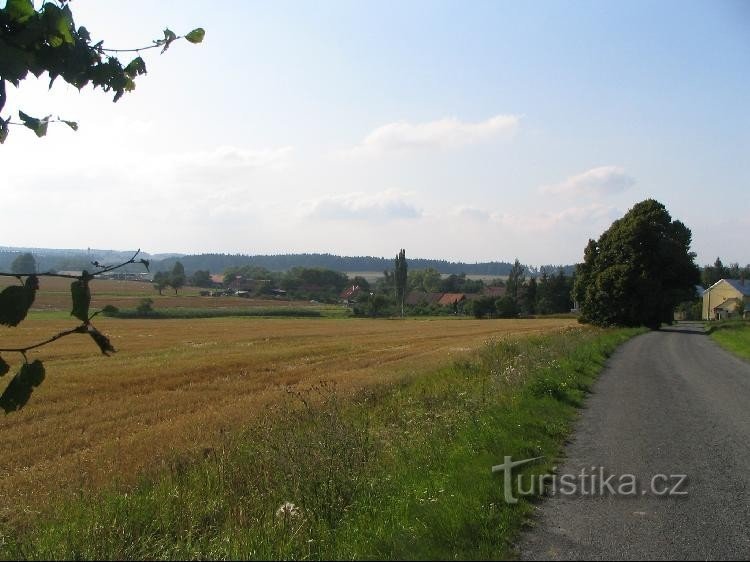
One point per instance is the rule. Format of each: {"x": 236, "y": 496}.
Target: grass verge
{"x": 394, "y": 472}
{"x": 734, "y": 336}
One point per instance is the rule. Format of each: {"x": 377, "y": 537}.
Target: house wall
{"x": 716, "y": 295}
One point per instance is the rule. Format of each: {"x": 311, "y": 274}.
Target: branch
{"x": 82, "y": 329}
{"x": 106, "y": 269}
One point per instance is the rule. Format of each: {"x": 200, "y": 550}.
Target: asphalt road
{"x": 670, "y": 402}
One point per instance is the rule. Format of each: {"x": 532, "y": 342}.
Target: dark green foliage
{"x": 553, "y": 292}
{"x": 16, "y": 300}
{"x": 506, "y": 307}
{"x": 4, "y": 367}
{"x": 201, "y": 278}
{"x": 161, "y": 281}
{"x": 19, "y": 390}
{"x": 516, "y": 279}
{"x": 483, "y": 307}
{"x": 177, "y": 277}
{"x": 401, "y": 278}
{"x": 24, "y": 264}
{"x": 47, "y": 40}
{"x": 638, "y": 271}
{"x": 373, "y": 306}
{"x": 145, "y": 307}
{"x": 460, "y": 284}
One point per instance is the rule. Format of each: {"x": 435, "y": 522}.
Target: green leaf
{"x": 101, "y": 340}
{"x": 136, "y": 67}
{"x": 19, "y": 10}
{"x": 3, "y": 130}
{"x": 59, "y": 24}
{"x": 169, "y": 36}
{"x": 39, "y": 126}
{"x": 146, "y": 263}
{"x": 196, "y": 36}
{"x": 16, "y": 300}
{"x": 19, "y": 390}
{"x": 72, "y": 124}
{"x": 4, "y": 367}
{"x": 81, "y": 295}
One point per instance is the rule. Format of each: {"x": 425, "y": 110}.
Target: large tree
{"x": 638, "y": 271}
{"x": 24, "y": 263}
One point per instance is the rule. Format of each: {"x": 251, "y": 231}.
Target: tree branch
{"x": 82, "y": 329}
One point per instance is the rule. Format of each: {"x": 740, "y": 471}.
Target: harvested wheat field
{"x": 176, "y": 385}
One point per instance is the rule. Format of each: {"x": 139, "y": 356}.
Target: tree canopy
{"x": 638, "y": 271}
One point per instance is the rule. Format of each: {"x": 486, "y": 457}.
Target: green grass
{"x": 734, "y": 336}
{"x": 396, "y": 472}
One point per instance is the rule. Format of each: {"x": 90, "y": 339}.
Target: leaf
{"x": 72, "y": 124}
{"x": 3, "y": 130}
{"x": 169, "y": 36}
{"x": 81, "y": 295}
{"x": 16, "y": 300}
{"x": 39, "y": 126}
{"x": 146, "y": 263}
{"x": 19, "y": 390}
{"x": 136, "y": 67}
{"x": 19, "y": 10}
{"x": 102, "y": 341}
{"x": 59, "y": 23}
{"x": 196, "y": 36}
{"x": 4, "y": 367}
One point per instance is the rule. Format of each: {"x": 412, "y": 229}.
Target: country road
{"x": 670, "y": 402}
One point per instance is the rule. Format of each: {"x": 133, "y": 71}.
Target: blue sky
{"x": 472, "y": 131}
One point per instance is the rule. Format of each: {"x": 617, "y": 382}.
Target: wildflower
{"x": 287, "y": 510}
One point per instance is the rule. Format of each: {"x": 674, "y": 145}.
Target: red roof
{"x": 449, "y": 299}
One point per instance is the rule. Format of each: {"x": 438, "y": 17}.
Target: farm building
{"x": 725, "y": 298}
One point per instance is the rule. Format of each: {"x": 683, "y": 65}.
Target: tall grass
{"x": 394, "y": 472}
{"x": 733, "y": 335}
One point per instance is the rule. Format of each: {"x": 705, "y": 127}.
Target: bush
{"x": 146, "y": 306}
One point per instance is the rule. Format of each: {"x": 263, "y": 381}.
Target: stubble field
{"x": 175, "y": 386}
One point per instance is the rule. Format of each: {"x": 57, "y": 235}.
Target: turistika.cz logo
{"x": 593, "y": 481}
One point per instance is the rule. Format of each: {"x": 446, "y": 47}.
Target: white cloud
{"x": 382, "y": 206}
{"x": 545, "y": 221}
{"x": 444, "y": 133}
{"x": 604, "y": 180}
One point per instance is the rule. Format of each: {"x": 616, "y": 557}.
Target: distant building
{"x": 725, "y": 298}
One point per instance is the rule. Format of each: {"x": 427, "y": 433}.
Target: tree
{"x": 638, "y": 271}
{"x": 177, "y": 277}
{"x": 24, "y": 263}
{"x": 47, "y": 40}
{"x": 516, "y": 278}
{"x": 401, "y": 277}
{"x": 161, "y": 281}
{"x": 201, "y": 278}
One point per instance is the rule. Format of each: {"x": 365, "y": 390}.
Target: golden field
{"x": 176, "y": 386}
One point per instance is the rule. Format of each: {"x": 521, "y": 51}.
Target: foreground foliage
{"x": 395, "y": 472}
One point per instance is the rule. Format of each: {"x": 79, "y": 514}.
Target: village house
{"x": 726, "y": 298}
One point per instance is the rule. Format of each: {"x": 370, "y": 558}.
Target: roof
{"x": 740, "y": 285}
{"x": 449, "y": 299}
{"x": 495, "y": 291}
{"x": 418, "y": 297}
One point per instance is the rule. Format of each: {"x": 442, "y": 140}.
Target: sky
{"x": 469, "y": 131}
